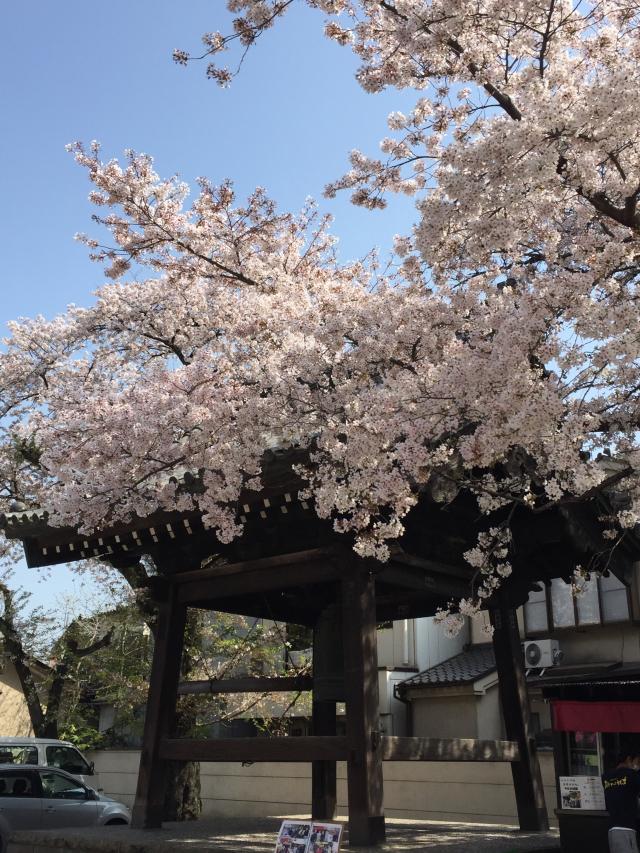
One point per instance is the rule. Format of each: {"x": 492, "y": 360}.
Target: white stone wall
{"x": 452, "y": 791}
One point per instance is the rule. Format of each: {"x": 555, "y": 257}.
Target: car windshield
{"x": 66, "y": 758}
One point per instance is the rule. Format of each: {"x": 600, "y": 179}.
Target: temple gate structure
{"x": 291, "y": 566}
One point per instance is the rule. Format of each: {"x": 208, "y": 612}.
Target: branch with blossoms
{"x": 490, "y": 560}
{"x": 246, "y": 32}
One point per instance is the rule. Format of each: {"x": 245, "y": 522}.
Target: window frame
{"x": 552, "y": 628}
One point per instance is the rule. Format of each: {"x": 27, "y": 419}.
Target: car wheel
{"x": 117, "y": 821}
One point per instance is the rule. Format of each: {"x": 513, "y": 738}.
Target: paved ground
{"x": 258, "y": 836}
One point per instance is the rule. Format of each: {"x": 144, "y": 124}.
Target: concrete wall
{"x": 444, "y": 715}
{"x": 14, "y": 716}
{"x": 456, "y": 791}
{"x": 458, "y": 711}
{"x": 433, "y": 647}
{"x": 599, "y": 644}
{"x": 490, "y": 726}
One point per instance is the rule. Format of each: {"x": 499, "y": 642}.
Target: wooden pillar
{"x": 161, "y": 709}
{"x": 364, "y": 763}
{"x": 328, "y": 688}
{"x": 527, "y": 779}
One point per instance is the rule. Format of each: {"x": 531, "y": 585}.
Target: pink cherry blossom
{"x": 501, "y": 353}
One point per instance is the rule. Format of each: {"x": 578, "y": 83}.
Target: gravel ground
{"x": 248, "y": 835}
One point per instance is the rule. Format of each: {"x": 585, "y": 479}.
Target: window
{"x": 18, "y": 755}
{"x": 58, "y": 787}
{"x": 562, "y": 604}
{"x": 16, "y": 784}
{"x": 604, "y": 600}
{"x": 536, "y": 610}
{"x": 584, "y": 754}
{"x": 66, "y": 758}
{"x": 615, "y": 602}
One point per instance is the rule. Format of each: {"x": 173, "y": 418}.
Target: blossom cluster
{"x": 500, "y": 355}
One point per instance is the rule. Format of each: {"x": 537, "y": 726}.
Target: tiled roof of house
{"x": 467, "y": 667}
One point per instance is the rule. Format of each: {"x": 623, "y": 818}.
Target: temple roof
{"x": 427, "y": 568}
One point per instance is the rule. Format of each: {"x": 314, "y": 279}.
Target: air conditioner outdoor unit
{"x": 539, "y": 654}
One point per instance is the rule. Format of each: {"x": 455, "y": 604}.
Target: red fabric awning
{"x": 596, "y": 716}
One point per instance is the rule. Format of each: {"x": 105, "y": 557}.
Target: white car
{"x": 49, "y": 752}
{"x": 33, "y": 797}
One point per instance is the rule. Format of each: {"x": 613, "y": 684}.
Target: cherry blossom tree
{"x": 498, "y": 353}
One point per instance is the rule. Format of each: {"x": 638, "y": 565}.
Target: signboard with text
{"x": 581, "y": 792}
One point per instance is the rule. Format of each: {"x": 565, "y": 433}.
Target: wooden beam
{"x": 364, "y": 766}
{"x": 447, "y": 749}
{"x": 327, "y": 665}
{"x": 418, "y": 580}
{"x": 161, "y": 706}
{"x": 514, "y": 699}
{"x": 196, "y": 592}
{"x": 282, "y": 684}
{"x": 398, "y": 555}
{"x": 277, "y": 561}
{"x": 275, "y": 607}
{"x": 295, "y": 749}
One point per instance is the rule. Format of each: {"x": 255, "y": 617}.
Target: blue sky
{"x": 78, "y": 70}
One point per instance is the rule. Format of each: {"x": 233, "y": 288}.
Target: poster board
{"x": 581, "y": 792}
{"x": 306, "y": 836}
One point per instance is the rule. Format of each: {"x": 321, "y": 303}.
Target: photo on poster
{"x": 293, "y": 837}
{"x": 325, "y": 838}
{"x": 297, "y": 836}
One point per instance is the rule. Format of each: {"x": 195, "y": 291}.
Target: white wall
{"x": 456, "y": 791}
{"x": 397, "y": 644}
{"x": 433, "y": 647}
{"x": 393, "y": 713}
{"x": 418, "y": 643}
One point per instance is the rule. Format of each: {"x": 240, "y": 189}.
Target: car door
{"x": 20, "y": 802}
{"x": 65, "y": 801}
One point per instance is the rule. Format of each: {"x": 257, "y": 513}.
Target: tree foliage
{"x": 499, "y": 355}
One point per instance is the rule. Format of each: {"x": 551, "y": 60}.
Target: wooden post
{"x": 364, "y": 763}
{"x": 527, "y": 779}
{"x": 161, "y": 709}
{"x": 328, "y": 687}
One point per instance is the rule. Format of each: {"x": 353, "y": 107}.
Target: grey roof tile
{"x": 464, "y": 668}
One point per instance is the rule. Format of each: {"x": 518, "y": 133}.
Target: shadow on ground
{"x": 258, "y": 836}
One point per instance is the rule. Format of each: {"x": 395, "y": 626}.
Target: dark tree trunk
{"x": 182, "y": 798}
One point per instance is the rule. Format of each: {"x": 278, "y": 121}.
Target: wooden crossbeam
{"x": 419, "y": 581}
{"x": 447, "y": 749}
{"x": 297, "y": 574}
{"x": 277, "y": 561}
{"x": 327, "y": 748}
{"x": 298, "y": 749}
{"x": 283, "y": 684}
{"x": 398, "y": 555}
